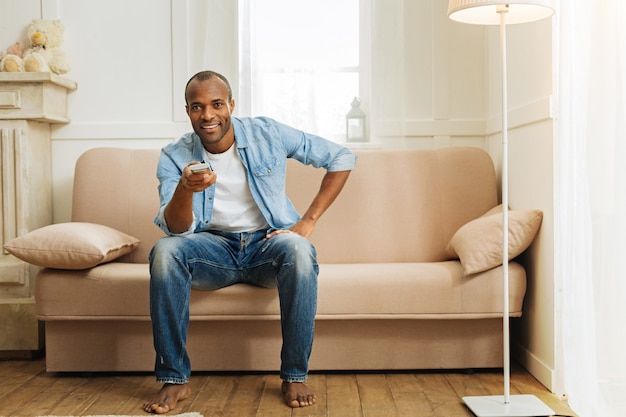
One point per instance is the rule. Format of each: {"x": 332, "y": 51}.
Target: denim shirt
{"x": 263, "y": 146}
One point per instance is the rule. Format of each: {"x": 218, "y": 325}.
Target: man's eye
{"x": 218, "y": 104}
{"x": 195, "y": 108}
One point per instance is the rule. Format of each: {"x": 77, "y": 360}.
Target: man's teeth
{"x": 211, "y": 126}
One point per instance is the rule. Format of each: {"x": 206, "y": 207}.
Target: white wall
{"x": 433, "y": 83}
{"x": 429, "y": 83}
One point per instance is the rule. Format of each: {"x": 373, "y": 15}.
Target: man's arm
{"x": 332, "y": 184}
{"x": 179, "y": 211}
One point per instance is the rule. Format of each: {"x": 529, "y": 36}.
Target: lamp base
{"x": 519, "y": 406}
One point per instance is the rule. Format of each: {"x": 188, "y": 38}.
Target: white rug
{"x": 146, "y": 414}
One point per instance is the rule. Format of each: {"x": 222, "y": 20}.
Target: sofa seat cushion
{"x": 428, "y": 290}
{"x": 120, "y": 291}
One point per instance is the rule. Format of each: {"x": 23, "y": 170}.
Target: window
{"x": 300, "y": 62}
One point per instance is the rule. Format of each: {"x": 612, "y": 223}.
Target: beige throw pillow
{"x": 72, "y": 245}
{"x": 478, "y": 243}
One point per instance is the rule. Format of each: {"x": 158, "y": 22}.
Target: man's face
{"x": 209, "y": 110}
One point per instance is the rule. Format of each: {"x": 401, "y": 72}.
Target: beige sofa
{"x": 390, "y": 296}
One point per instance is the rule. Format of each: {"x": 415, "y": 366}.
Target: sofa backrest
{"x": 118, "y": 188}
{"x": 398, "y": 205}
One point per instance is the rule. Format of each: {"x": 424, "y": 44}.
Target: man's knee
{"x": 164, "y": 249}
{"x": 296, "y": 247}
{"x": 167, "y": 259}
{"x": 297, "y": 252}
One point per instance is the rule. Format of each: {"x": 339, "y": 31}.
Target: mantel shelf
{"x": 36, "y": 96}
{"x": 37, "y": 77}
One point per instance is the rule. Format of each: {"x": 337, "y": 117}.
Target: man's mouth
{"x": 211, "y": 126}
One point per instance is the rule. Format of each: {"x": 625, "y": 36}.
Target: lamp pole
{"x": 502, "y": 10}
{"x": 492, "y": 12}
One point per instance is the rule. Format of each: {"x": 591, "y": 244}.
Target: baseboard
{"x": 21, "y": 354}
{"x": 542, "y": 372}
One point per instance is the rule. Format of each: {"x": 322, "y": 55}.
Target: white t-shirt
{"x": 234, "y": 209}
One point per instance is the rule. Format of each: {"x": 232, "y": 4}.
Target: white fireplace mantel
{"x": 29, "y": 104}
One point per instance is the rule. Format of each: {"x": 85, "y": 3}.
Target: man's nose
{"x": 208, "y": 113}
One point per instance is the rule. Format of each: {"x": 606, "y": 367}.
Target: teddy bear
{"x": 15, "y": 53}
{"x": 44, "y": 53}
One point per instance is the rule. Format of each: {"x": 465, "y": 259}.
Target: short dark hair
{"x": 207, "y": 75}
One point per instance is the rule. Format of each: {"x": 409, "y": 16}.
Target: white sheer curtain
{"x": 590, "y": 205}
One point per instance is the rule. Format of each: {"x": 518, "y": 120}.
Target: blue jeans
{"x": 213, "y": 260}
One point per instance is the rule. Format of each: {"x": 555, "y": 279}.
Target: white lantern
{"x": 355, "y": 123}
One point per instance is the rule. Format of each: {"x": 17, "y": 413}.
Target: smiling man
{"x": 233, "y": 223}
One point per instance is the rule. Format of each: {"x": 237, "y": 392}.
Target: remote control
{"x": 198, "y": 168}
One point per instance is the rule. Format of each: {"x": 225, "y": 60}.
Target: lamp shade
{"x": 485, "y": 12}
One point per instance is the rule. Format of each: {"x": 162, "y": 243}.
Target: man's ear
{"x": 232, "y": 105}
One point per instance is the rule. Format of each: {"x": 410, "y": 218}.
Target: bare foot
{"x": 167, "y": 398}
{"x": 297, "y": 394}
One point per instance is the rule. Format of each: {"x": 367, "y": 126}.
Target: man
{"x": 233, "y": 223}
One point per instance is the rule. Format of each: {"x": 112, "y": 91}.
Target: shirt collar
{"x": 241, "y": 140}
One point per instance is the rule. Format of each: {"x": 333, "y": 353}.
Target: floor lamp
{"x": 499, "y": 12}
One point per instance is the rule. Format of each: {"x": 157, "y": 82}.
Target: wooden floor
{"x": 27, "y": 390}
